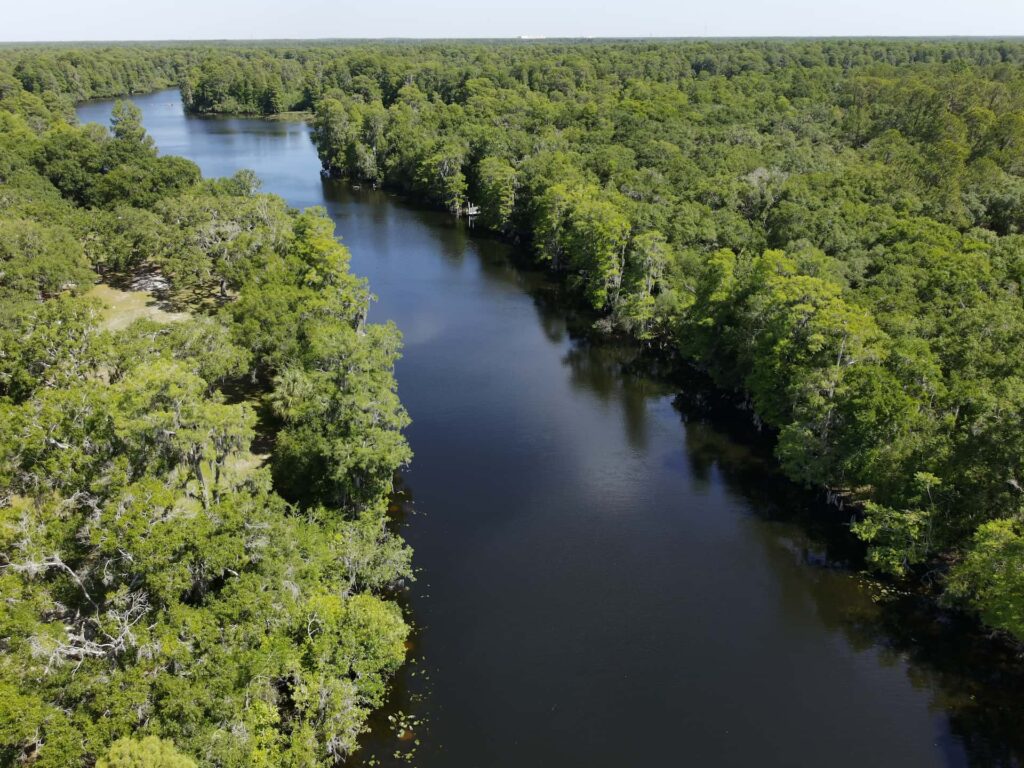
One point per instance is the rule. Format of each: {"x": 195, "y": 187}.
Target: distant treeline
{"x": 195, "y": 563}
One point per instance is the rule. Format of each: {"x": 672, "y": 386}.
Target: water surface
{"x": 606, "y": 578}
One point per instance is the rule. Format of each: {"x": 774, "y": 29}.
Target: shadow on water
{"x": 975, "y": 679}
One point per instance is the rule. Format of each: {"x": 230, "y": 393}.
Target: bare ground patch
{"x": 125, "y": 307}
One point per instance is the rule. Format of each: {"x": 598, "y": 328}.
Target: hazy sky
{"x": 22, "y": 20}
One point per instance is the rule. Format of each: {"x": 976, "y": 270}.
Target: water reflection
{"x": 974, "y": 680}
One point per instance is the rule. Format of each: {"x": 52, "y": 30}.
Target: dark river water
{"x": 607, "y": 576}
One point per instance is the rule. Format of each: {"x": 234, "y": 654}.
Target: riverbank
{"x": 298, "y": 116}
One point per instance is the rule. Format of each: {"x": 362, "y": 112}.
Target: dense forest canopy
{"x": 195, "y": 560}
{"x": 832, "y": 229}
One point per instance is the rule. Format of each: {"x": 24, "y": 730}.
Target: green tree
{"x": 496, "y": 180}
{"x": 126, "y": 125}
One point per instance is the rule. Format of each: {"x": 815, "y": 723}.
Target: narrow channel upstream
{"x": 605, "y": 579}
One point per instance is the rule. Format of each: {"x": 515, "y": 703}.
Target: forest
{"x": 197, "y": 564}
{"x": 831, "y": 230}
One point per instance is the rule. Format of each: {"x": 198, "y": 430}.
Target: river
{"x": 606, "y": 576}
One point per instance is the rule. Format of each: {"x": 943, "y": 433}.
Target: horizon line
{"x": 523, "y": 38}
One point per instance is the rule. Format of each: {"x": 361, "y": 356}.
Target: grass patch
{"x": 122, "y": 308}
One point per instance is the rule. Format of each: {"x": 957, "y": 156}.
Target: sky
{"x": 32, "y": 20}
